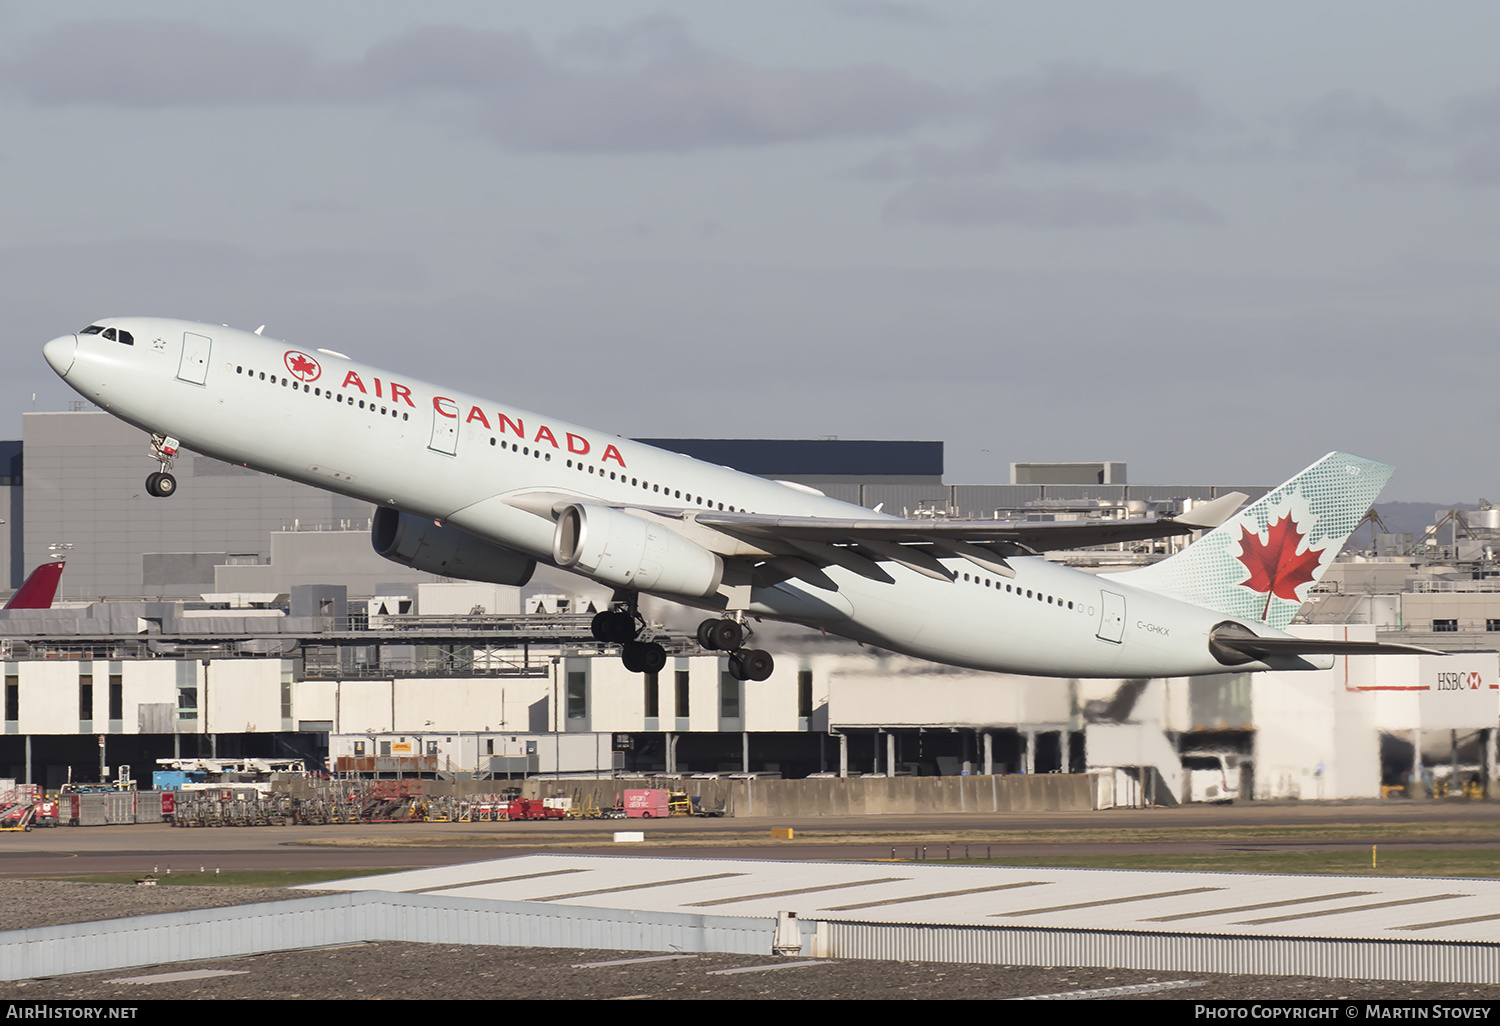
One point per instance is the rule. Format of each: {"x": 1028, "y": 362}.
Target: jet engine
{"x": 423, "y": 544}
{"x": 628, "y": 551}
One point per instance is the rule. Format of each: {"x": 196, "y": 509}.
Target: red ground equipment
{"x": 646, "y": 803}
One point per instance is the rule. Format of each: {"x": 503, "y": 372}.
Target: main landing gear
{"x": 729, "y": 636}
{"x": 621, "y": 624}
{"x": 163, "y": 450}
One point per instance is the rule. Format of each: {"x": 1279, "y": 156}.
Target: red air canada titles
{"x": 578, "y": 445}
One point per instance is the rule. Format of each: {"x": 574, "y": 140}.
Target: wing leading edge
{"x": 1007, "y": 537}
{"x": 802, "y": 546}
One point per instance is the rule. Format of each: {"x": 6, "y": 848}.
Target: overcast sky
{"x": 1213, "y": 241}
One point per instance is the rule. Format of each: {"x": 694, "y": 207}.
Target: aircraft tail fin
{"x": 1260, "y": 565}
{"x": 39, "y": 589}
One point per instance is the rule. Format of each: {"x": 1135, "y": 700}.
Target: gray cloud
{"x": 447, "y": 58}
{"x": 1477, "y": 112}
{"x": 1360, "y": 131}
{"x": 1079, "y": 112}
{"x": 888, "y": 10}
{"x": 718, "y": 103}
{"x": 1343, "y": 117}
{"x": 644, "y": 86}
{"x": 1476, "y": 116}
{"x": 968, "y": 205}
{"x": 1479, "y": 165}
{"x": 1066, "y": 113}
{"x": 124, "y": 63}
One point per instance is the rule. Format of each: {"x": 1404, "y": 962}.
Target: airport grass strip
{"x": 499, "y": 836}
{"x": 238, "y": 878}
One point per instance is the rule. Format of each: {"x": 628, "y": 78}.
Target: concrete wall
{"x": 462, "y": 597}
{"x": 1324, "y": 744}
{"x": 244, "y": 696}
{"x": 1472, "y": 610}
{"x": 868, "y": 796}
{"x": 857, "y": 796}
{"x": 475, "y": 703}
{"x": 895, "y": 690}
{"x": 418, "y": 705}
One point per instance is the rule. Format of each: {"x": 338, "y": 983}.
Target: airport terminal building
{"x": 250, "y": 615}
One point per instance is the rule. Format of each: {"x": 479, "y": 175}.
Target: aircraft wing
{"x": 799, "y": 546}
{"x": 1012, "y": 537}
{"x": 862, "y": 544}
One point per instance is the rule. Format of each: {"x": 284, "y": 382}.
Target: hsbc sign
{"x": 1455, "y": 691}
{"x": 1447, "y": 681}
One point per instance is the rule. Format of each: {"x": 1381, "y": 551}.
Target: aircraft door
{"x": 444, "y": 427}
{"x": 194, "y": 365}
{"x": 1111, "y": 617}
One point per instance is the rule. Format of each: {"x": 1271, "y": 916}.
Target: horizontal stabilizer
{"x": 1233, "y": 644}
{"x": 1213, "y": 513}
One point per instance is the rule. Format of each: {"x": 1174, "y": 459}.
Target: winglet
{"x": 39, "y": 589}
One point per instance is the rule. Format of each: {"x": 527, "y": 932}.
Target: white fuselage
{"x": 400, "y": 442}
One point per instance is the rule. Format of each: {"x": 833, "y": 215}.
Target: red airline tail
{"x": 39, "y": 589}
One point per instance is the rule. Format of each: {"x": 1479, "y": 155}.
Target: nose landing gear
{"x": 164, "y": 451}
{"x": 729, "y": 636}
{"x": 161, "y": 485}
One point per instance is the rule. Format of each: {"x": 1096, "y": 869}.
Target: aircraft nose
{"x": 60, "y": 352}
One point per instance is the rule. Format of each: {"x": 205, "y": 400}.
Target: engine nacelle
{"x": 628, "y": 551}
{"x": 422, "y": 544}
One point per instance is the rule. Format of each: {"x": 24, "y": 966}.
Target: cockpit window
{"x": 121, "y": 336}
{"x": 92, "y": 329}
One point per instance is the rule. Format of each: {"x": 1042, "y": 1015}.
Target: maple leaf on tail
{"x": 1275, "y": 566}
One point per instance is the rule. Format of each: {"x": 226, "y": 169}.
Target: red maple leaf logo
{"x": 302, "y": 366}
{"x": 1276, "y": 568}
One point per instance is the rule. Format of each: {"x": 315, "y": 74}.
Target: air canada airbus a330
{"x": 468, "y": 487}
